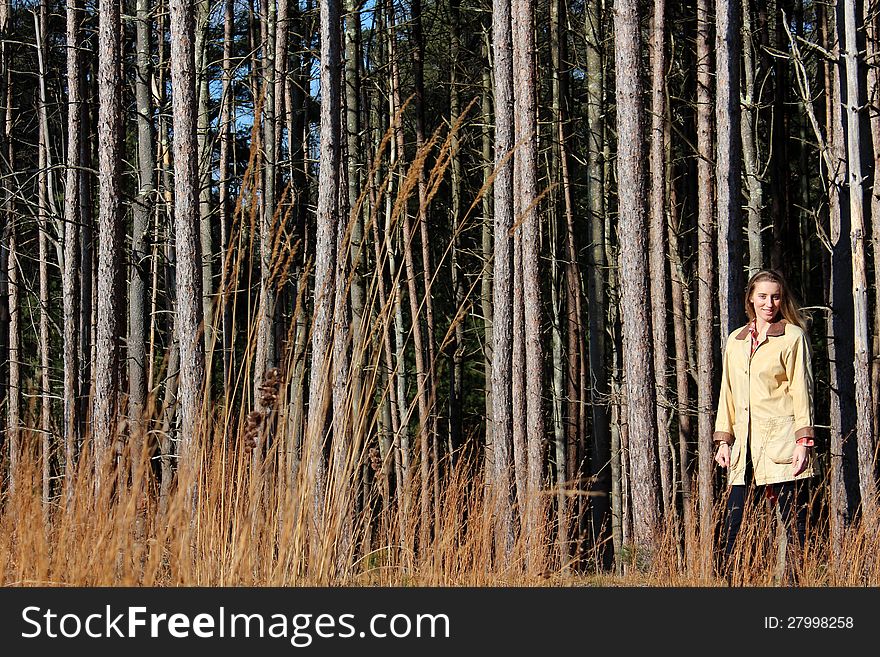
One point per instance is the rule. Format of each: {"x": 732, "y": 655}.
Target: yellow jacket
{"x": 766, "y": 401}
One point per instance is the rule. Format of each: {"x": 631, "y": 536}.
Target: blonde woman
{"x": 764, "y": 426}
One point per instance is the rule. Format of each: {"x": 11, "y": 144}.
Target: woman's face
{"x": 766, "y": 300}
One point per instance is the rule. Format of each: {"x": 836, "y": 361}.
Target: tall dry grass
{"x": 240, "y": 532}
{"x": 235, "y": 520}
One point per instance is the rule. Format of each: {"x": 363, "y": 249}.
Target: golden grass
{"x": 245, "y": 532}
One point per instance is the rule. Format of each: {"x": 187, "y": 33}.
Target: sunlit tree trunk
{"x": 864, "y": 407}
{"x": 728, "y": 167}
{"x": 502, "y": 293}
{"x": 705, "y": 279}
{"x": 71, "y": 272}
{"x": 325, "y": 273}
{"x": 748, "y": 127}
{"x": 45, "y": 210}
{"x": 188, "y": 316}
{"x": 640, "y": 392}
{"x": 526, "y": 212}
{"x": 110, "y": 222}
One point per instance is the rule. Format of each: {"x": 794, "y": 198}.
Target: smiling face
{"x": 766, "y": 300}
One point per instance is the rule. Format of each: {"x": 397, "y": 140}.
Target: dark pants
{"x": 793, "y": 499}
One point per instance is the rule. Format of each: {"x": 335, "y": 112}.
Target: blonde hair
{"x": 789, "y": 307}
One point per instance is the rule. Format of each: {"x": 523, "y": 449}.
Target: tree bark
{"x": 748, "y": 126}
{"x": 864, "y": 408}
{"x": 320, "y": 395}
{"x": 110, "y": 221}
{"x": 657, "y": 248}
{"x": 142, "y": 208}
{"x": 188, "y": 316}
{"x": 728, "y": 165}
{"x": 705, "y": 280}
{"x": 640, "y": 392}
{"x": 502, "y": 293}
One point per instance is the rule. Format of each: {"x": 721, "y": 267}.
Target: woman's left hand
{"x": 801, "y": 459}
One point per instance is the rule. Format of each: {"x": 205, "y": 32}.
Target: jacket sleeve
{"x": 726, "y": 416}
{"x": 799, "y": 370}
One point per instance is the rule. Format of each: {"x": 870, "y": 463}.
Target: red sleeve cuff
{"x": 805, "y": 441}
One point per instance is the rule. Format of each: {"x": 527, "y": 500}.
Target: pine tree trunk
{"x": 188, "y": 316}
{"x": 864, "y": 408}
{"x": 748, "y": 126}
{"x": 872, "y": 40}
{"x": 110, "y": 221}
{"x": 486, "y": 293}
{"x": 657, "y": 248}
{"x": 705, "y": 280}
{"x": 502, "y": 293}
{"x": 142, "y": 208}
{"x": 525, "y": 200}
{"x": 640, "y": 391}
{"x": 44, "y": 211}
{"x": 69, "y": 285}
{"x": 225, "y": 207}
{"x": 325, "y": 282}
{"x": 728, "y": 165}
{"x": 13, "y": 404}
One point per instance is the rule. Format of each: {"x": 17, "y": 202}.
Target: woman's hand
{"x": 722, "y": 456}
{"x": 800, "y": 461}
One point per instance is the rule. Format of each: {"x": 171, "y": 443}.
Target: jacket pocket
{"x": 778, "y": 438}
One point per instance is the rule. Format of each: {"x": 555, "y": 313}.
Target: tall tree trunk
{"x": 13, "y": 404}
{"x": 728, "y": 167}
{"x": 45, "y": 189}
{"x": 872, "y": 40}
{"x": 226, "y": 128}
{"x": 657, "y": 248}
{"x": 110, "y": 221}
{"x": 188, "y": 316}
{"x": 325, "y": 272}
{"x": 204, "y": 169}
{"x": 640, "y": 391}
{"x": 748, "y": 126}
{"x": 502, "y": 293}
{"x": 864, "y": 407}
{"x": 142, "y": 209}
{"x": 525, "y": 207}
{"x": 487, "y": 245}
{"x": 705, "y": 279}
{"x": 71, "y": 272}
{"x": 355, "y": 166}
{"x": 561, "y": 292}
{"x": 264, "y": 357}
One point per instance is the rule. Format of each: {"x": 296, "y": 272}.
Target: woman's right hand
{"x": 722, "y": 456}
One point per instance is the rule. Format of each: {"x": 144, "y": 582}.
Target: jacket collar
{"x": 773, "y": 331}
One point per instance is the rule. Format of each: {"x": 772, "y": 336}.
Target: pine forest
{"x": 424, "y": 292}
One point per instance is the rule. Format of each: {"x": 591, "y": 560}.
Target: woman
{"x": 764, "y": 426}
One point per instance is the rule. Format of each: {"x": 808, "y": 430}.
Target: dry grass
{"x": 239, "y": 533}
